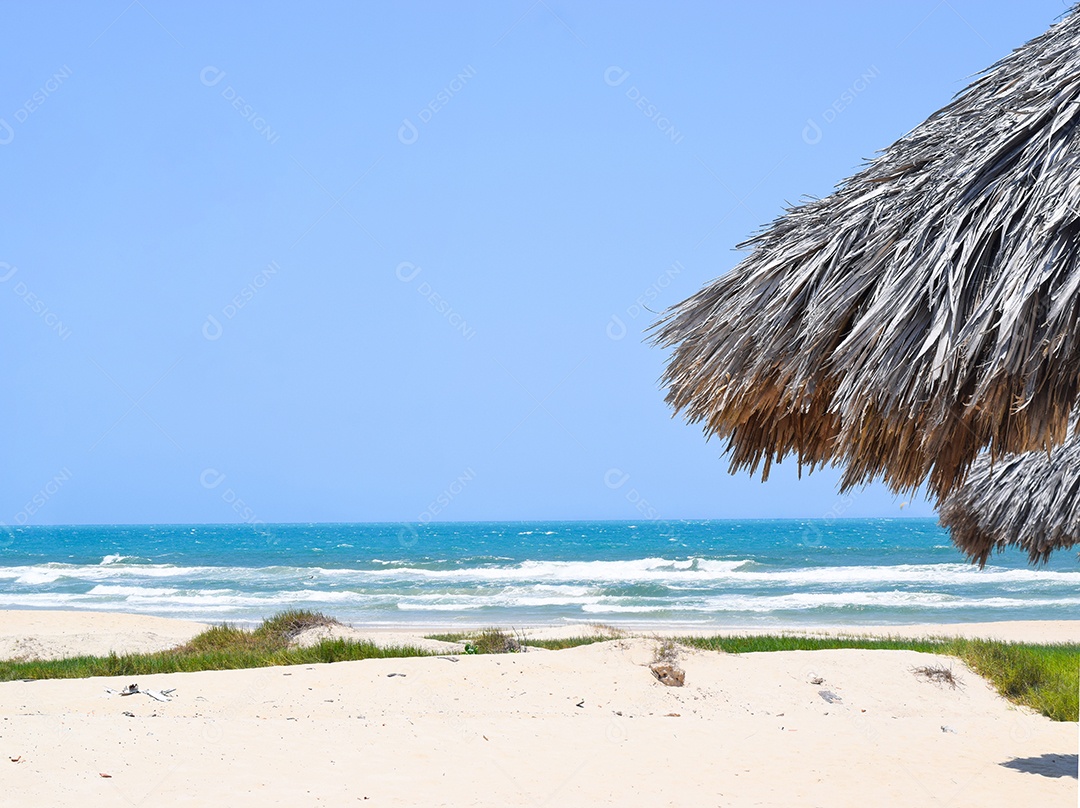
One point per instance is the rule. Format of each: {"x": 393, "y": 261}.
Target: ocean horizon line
{"x": 435, "y": 523}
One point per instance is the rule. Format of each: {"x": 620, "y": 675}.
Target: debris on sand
{"x": 132, "y": 689}
{"x": 938, "y": 674}
{"x": 668, "y": 674}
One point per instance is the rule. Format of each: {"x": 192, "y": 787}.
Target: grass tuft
{"x": 666, "y": 652}
{"x": 454, "y": 636}
{"x": 493, "y": 641}
{"x": 288, "y": 625}
{"x": 480, "y": 640}
{"x": 938, "y": 674}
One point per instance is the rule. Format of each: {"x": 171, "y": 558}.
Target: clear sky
{"x": 359, "y": 262}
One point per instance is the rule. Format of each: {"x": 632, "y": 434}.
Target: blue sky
{"x": 363, "y": 262}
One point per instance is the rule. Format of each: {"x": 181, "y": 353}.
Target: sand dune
{"x": 584, "y": 726}
{"x": 28, "y": 634}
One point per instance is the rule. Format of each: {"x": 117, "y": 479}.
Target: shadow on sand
{"x": 1046, "y": 765}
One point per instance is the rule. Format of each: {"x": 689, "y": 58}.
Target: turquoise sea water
{"x": 692, "y": 573}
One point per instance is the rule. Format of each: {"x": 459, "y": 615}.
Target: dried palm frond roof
{"x": 924, "y": 311}
{"x": 1031, "y": 501}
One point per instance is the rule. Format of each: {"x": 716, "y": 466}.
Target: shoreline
{"x": 52, "y": 634}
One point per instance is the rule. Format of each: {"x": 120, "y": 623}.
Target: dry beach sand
{"x": 583, "y": 726}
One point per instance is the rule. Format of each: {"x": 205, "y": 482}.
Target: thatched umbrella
{"x": 1030, "y": 501}
{"x": 924, "y": 311}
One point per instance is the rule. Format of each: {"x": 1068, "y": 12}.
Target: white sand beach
{"x": 584, "y": 726}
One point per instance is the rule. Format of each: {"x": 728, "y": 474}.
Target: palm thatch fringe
{"x": 923, "y": 312}
{"x": 1031, "y": 501}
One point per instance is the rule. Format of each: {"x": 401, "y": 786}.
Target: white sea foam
{"x": 615, "y": 608}
{"x": 697, "y": 571}
{"x": 910, "y": 573}
{"x": 213, "y": 602}
{"x": 643, "y": 570}
{"x": 692, "y": 588}
{"x": 677, "y": 572}
{"x": 810, "y": 601}
{"x": 33, "y": 577}
{"x": 141, "y": 591}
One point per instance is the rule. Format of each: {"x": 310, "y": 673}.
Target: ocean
{"x": 696, "y": 574}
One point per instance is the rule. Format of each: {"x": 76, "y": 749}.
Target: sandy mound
{"x": 55, "y": 635}
{"x": 383, "y": 639}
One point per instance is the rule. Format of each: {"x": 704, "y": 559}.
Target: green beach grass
{"x": 222, "y": 647}
{"x": 1043, "y": 677}
{"x": 498, "y": 641}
